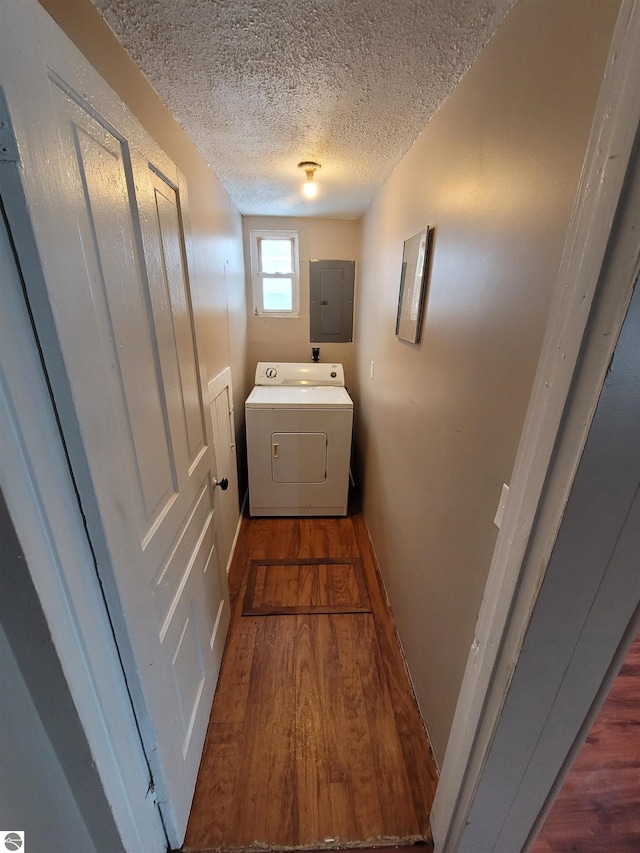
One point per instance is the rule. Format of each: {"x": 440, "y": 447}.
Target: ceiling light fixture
{"x": 309, "y": 188}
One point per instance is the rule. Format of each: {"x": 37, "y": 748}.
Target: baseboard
{"x": 399, "y": 639}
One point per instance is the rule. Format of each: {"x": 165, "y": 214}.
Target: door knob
{"x": 223, "y": 483}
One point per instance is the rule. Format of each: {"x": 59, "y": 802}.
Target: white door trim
{"x": 534, "y": 497}
{"x": 218, "y": 384}
{"x": 215, "y": 387}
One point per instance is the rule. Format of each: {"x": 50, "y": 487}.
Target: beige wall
{"x": 277, "y": 339}
{"x": 218, "y": 274}
{"x": 437, "y": 429}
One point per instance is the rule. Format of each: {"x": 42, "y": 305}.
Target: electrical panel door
{"x": 331, "y": 301}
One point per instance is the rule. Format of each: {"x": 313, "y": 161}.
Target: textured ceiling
{"x": 260, "y": 85}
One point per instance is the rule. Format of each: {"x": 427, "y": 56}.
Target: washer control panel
{"x": 298, "y": 373}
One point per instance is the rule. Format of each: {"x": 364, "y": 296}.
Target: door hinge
{"x": 8, "y": 146}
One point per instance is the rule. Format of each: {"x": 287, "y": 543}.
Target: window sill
{"x": 262, "y": 315}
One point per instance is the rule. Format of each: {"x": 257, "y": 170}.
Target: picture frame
{"x": 416, "y": 257}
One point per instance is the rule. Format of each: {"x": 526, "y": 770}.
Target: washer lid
{"x": 298, "y": 373}
{"x": 298, "y": 397}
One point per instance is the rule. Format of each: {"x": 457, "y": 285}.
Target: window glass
{"x": 276, "y": 256}
{"x": 277, "y": 294}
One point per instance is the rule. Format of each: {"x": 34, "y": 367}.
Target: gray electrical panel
{"x": 331, "y": 301}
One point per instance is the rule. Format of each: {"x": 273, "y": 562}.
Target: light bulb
{"x": 309, "y": 188}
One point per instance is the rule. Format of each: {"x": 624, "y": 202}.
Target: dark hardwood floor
{"x": 315, "y": 740}
{"x": 598, "y": 807}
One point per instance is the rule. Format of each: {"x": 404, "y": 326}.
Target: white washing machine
{"x": 299, "y": 419}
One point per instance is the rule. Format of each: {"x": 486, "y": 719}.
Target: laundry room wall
{"x": 217, "y": 282}
{"x": 438, "y": 425}
{"x": 278, "y": 339}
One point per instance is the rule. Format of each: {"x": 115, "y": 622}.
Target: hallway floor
{"x": 315, "y": 740}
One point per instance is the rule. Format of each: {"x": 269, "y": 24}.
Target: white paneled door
{"x": 113, "y": 314}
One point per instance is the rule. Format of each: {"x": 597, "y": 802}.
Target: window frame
{"x": 257, "y": 276}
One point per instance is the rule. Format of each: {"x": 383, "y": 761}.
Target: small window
{"x": 275, "y": 273}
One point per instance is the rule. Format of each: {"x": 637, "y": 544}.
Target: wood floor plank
{"x": 230, "y": 702}
{"x": 307, "y": 587}
{"x": 311, "y": 748}
{"x": 342, "y": 811}
{"x": 367, "y": 806}
{"x": 323, "y": 537}
{"x": 215, "y": 805}
{"x": 275, "y": 737}
{"x": 332, "y": 707}
{"x": 387, "y": 759}
{"x": 310, "y": 741}
{"x": 264, "y": 780}
{"x": 341, "y": 582}
{"x": 273, "y": 537}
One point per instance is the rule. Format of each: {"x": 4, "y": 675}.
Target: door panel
{"x": 166, "y": 584}
{"x": 165, "y": 252}
{"x": 188, "y": 670}
{"x": 124, "y": 323}
{"x": 119, "y": 320}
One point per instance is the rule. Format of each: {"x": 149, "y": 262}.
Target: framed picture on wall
{"x": 413, "y": 285}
